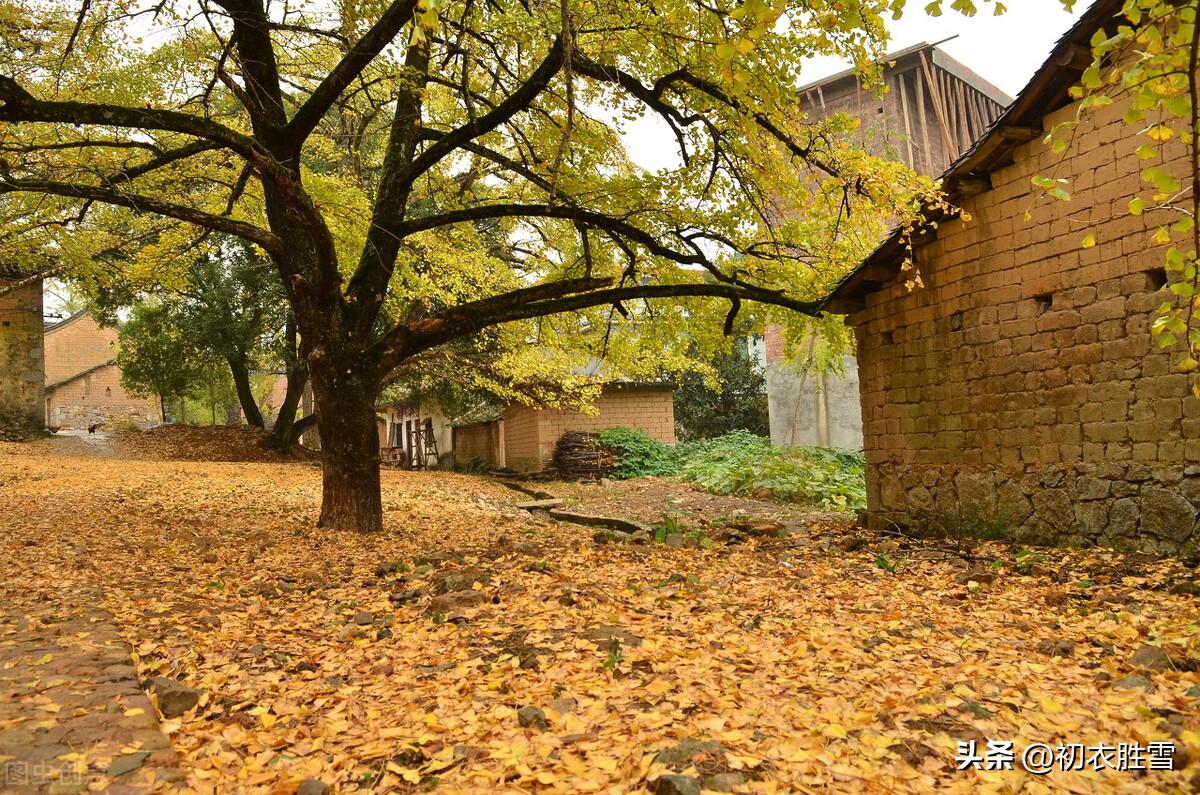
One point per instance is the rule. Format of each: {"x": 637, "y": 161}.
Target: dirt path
{"x": 73, "y": 716}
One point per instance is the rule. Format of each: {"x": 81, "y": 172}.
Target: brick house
{"x": 524, "y": 438}
{"x": 934, "y": 109}
{"x": 83, "y": 381}
{"x": 21, "y": 393}
{"x": 1019, "y": 390}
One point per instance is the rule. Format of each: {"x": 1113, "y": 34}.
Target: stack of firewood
{"x": 580, "y": 456}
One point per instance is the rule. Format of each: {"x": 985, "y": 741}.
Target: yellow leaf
{"x": 135, "y": 711}
{"x": 1088, "y": 241}
{"x": 834, "y": 730}
{"x": 1051, "y": 706}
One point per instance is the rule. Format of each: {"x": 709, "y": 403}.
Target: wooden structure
{"x": 935, "y": 108}
{"x": 413, "y": 435}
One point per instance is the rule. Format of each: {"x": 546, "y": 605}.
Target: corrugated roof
{"x": 1018, "y": 124}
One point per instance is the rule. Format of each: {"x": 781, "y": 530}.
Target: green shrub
{"x": 742, "y": 464}
{"x": 638, "y": 455}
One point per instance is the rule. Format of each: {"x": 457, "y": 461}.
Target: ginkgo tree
{"x": 420, "y": 171}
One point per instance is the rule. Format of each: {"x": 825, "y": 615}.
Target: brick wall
{"x": 21, "y": 353}
{"x": 80, "y": 345}
{"x": 1020, "y": 388}
{"x": 478, "y": 443}
{"x": 76, "y": 344}
{"x": 97, "y": 398}
{"x": 531, "y": 434}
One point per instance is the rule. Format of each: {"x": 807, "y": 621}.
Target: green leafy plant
{"x": 743, "y": 464}
{"x": 639, "y": 455}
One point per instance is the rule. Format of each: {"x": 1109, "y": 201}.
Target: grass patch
{"x": 744, "y": 464}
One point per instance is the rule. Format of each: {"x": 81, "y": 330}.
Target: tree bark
{"x": 241, "y": 382}
{"x": 283, "y": 433}
{"x": 349, "y": 452}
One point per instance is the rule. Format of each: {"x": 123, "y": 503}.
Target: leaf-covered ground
{"x": 407, "y": 660}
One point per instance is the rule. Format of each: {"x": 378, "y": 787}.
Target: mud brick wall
{"x": 531, "y": 434}
{"x": 21, "y": 357}
{"x": 478, "y": 443}
{"x": 97, "y": 398}
{"x": 1019, "y": 391}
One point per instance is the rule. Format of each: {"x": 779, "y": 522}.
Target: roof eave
{"x": 1020, "y": 123}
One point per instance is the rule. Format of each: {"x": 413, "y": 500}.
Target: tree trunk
{"x": 283, "y": 431}
{"x": 241, "y": 382}
{"x": 350, "y": 453}
{"x": 282, "y": 434}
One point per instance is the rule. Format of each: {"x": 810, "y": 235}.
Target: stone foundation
{"x": 1126, "y": 505}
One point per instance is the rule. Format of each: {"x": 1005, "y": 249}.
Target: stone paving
{"x": 73, "y": 717}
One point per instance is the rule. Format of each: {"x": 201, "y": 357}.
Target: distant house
{"x": 1019, "y": 390}
{"x": 524, "y": 438}
{"x": 21, "y": 394}
{"x": 82, "y": 379}
{"x": 415, "y": 435}
{"x": 934, "y": 109}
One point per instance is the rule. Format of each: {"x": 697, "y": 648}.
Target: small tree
{"x": 731, "y": 396}
{"x": 225, "y": 300}
{"x": 156, "y": 358}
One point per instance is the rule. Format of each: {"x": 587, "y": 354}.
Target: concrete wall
{"x": 1019, "y": 390}
{"x": 530, "y": 435}
{"x": 21, "y": 353}
{"x": 809, "y": 408}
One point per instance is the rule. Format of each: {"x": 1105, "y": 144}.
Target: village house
{"x": 83, "y": 382}
{"x": 21, "y": 393}
{"x": 1019, "y": 390}
{"x": 524, "y": 438}
{"x": 414, "y": 434}
{"x": 933, "y": 110}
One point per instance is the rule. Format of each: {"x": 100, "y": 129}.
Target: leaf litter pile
{"x": 475, "y": 647}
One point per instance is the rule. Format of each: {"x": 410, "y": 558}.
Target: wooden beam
{"x": 1016, "y": 132}
{"x": 845, "y": 304}
{"x": 938, "y": 109}
{"x": 967, "y": 185}
{"x": 1074, "y": 57}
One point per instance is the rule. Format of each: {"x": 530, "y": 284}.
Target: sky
{"x": 1005, "y": 50}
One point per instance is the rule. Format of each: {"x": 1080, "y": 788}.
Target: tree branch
{"x": 469, "y": 318}
{"x": 517, "y": 101}
{"x": 351, "y": 66}
{"x": 261, "y": 237}
{"x": 580, "y": 215}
